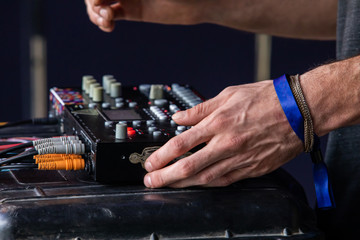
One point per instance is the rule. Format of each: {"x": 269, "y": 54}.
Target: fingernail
{"x": 104, "y": 13}
{"x": 148, "y": 166}
{"x": 100, "y": 20}
{"x": 148, "y": 181}
{"x": 178, "y": 115}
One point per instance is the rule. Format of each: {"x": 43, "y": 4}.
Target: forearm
{"x": 332, "y": 92}
{"x": 287, "y": 18}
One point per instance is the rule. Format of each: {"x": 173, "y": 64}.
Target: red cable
{"x": 3, "y": 147}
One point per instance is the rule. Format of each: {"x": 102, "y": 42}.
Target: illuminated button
{"x": 108, "y": 123}
{"x": 118, "y": 100}
{"x": 181, "y": 128}
{"x": 152, "y": 129}
{"x": 150, "y": 122}
{"x": 92, "y": 105}
{"x": 105, "y": 105}
{"x": 154, "y": 108}
{"x": 136, "y": 123}
{"x": 145, "y": 89}
{"x": 157, "y": 133}
{"x": 174, "y": 108}
{"x": 119, "y": 104}
{"x": 177, "y": 132}
{"x": 163, "y": 117}
{"x": 131, "y": 131}
{"x": 175, "y": 85}
{"x": 161, "y": 102}
{"x": 173, "y": 123}
{"x": 132, "y": 104}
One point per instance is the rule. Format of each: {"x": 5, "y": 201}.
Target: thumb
{"x": 194, "y": 115}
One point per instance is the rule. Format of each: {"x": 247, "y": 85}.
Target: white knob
{"x": 108, "y": 85}
{"x": 87, "y": 85}
{"x": 84, "y": 79}
{"x": 156, "y": 91}
{"x": 115, "y": 89}
{"x": 92, "y": 86}
{"x": 98, "y": 94}
{"x": 121, "y": 130}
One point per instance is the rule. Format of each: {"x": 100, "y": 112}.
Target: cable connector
{"x": 78, "y": 148}
{"x": 69, "y": 164}
{"x": 55, "y": 139}
{"x": 50, "y": 144}
{"x": 55, "y": 157}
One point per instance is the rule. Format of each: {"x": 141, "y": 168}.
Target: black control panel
{"x": 121, "y": 125}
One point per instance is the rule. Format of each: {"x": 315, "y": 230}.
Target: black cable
{"x": 12, "y": 124}
{"x": 18, "y": 166}
{"x": 21, "y": 156}
{"x": 34, "y": 121}
{"x": 9, "y": 143}
{"x": 24, "y": 145}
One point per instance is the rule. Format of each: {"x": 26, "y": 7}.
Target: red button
{"x": 131, "y": 132}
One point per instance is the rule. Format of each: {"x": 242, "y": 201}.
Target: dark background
{"x": 206, "y": 56}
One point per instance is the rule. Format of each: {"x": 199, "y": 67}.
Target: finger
{"x": 108, "y": 29}
{"x": 102, "y": 2}
{"x": 194, "y": 115}
{"x": 212, "y": 172}
{"x": 232, "y": 177}
{"x": 176, "y": 147}
{"x": 103, "y": 24}
{"x": 181, "y": 169}
{"x": 105, "y": 11}
{"x": 93, "y": 16}
{"x": 118, "y": 11}
{"x": 188, "y": 167}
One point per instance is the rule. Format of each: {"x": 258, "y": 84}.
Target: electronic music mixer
{"x": 120, "y": 126}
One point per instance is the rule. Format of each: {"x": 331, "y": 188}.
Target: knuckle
{"x": 158, "y": 180}
{"x": 226, "y": 180}
{"x": 206, "y": 178}
{"x": 154, "y": 159}
{"x": 219, "y": 122}
{"x": 227, "y": 90}
{"x": 196, "y": 111}
{"x": 233, "y": 143}
{"x": 177, "y": 145}
{"x": 187, "y": 169}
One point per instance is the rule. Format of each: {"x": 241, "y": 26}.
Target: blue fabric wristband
{"x": 288, "y": 103}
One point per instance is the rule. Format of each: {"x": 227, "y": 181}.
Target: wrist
{"x": 332, "y": 94}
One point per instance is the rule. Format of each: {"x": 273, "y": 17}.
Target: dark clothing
{"x": 343, "y": 150}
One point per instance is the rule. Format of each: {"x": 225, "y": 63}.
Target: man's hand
{"x": 104, "y": 13}
{"x": 246, "y": 134}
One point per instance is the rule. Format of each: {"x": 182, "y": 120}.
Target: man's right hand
{"x": 104, "y": 13}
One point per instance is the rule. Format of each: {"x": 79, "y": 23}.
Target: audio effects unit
{"x": 120, "y": 126}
